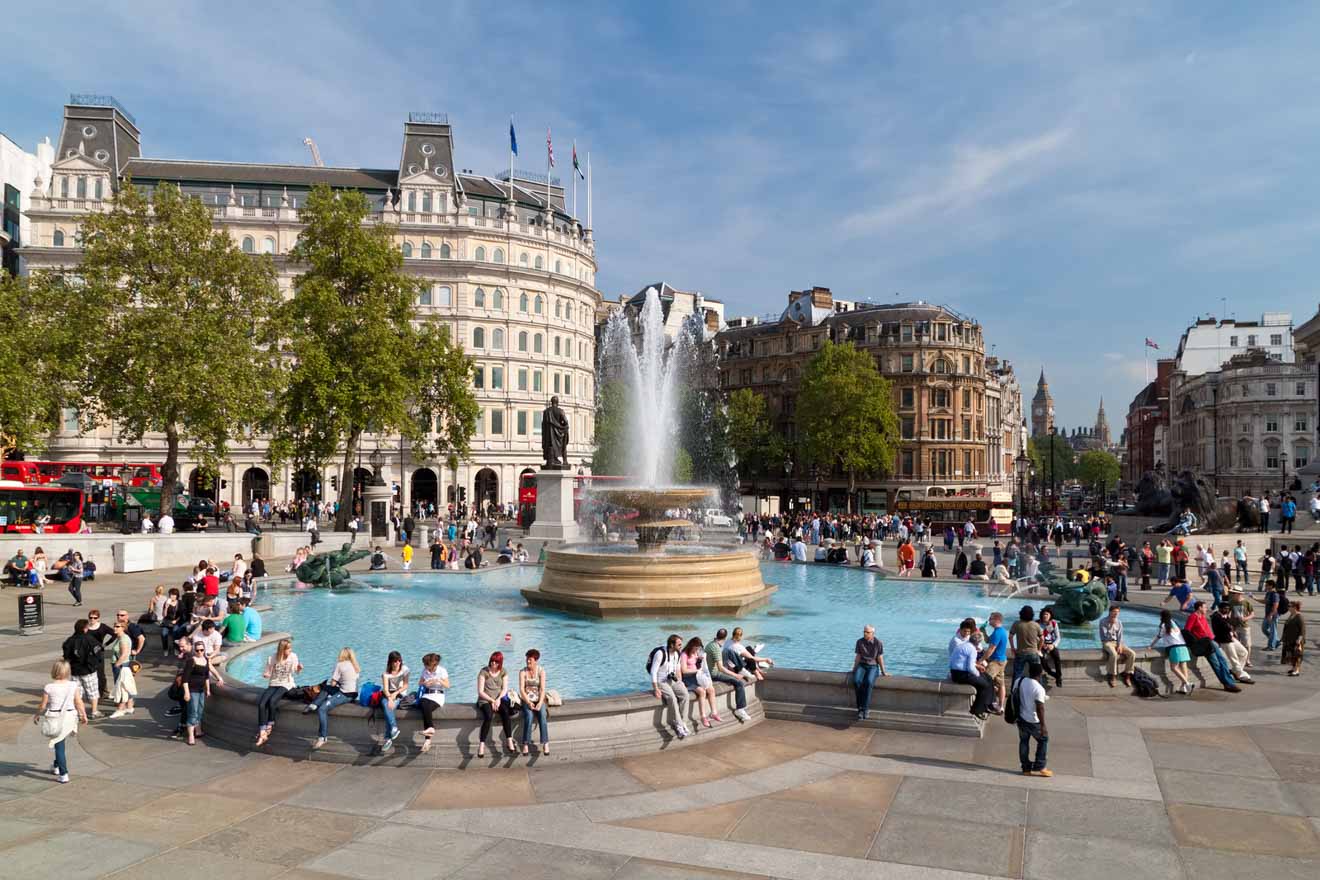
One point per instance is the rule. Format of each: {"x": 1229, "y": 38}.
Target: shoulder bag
{"x": 52, "y": 723}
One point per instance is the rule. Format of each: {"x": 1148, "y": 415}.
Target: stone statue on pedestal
{"x": 327, "y": 569}
{"x": 554, "y": 437}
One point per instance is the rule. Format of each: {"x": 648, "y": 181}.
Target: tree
{"x": 610, "y": 456}
{"x": 1064, "y": 462}
{"x": 1098, "y": 468}
{"x": 845, "y": 414}
{"x": 360, "y": 361}
{"x": 180, "y": 325}
{"x": 39, "y": 359}
{"x": 757, "y": 446}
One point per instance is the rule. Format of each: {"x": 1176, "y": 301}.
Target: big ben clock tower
{"x": 1042, "y": 408}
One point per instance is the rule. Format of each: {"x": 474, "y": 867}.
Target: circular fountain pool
{"x": 811, "y": 623}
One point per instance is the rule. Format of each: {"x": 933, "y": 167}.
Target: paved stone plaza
{"x": 1208, "y": 787}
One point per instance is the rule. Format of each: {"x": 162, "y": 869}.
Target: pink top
{"x": 690, "y": 663}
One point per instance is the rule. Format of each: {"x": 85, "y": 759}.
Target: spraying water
{"x": 652, "y": 370}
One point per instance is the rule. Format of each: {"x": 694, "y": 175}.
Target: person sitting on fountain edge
{"x": 378, "y": 559}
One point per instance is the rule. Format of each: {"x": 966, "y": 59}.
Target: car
{"x": 716, "y": 518}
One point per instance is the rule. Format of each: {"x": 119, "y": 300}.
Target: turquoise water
{"x": 811, "y": 623}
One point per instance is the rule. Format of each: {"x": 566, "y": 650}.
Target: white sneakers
{"x": 681, "y": 730}
{"x": 63, "y": 777}
{"x": 741, "y": 715}
{"x": 319, "y": 742}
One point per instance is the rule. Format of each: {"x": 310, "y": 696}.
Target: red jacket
{"x": 1198, "y": 626}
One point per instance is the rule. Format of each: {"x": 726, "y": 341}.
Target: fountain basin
{"x": 603, "y": 582}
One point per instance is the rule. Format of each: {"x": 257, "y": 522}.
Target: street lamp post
{"x": 1054, "y": 494}
{"x": 1022, "y": 463}
{"x": 788, "y": 483}
{"x": 125, "y": 474}
{"x": 815, "y": 498}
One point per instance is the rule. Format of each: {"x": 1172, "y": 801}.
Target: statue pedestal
{"x": 376, "y": 501}
{"x": 555, "y": 523}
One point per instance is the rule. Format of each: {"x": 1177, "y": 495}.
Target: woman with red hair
{"x": 492, "y": 698}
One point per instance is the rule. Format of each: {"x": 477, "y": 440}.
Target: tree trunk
{"x": 852, "y": 490}
{"x": 169, "y": 472}
{"x": 346, "y": 482}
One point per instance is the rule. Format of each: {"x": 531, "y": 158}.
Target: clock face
{"x": 1038, "y": 411}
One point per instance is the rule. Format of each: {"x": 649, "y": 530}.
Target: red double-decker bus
{"x": 41, "y": 473}
{"x": 48, "y": 509}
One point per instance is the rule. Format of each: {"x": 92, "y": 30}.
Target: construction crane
{"x": 316, "y": 154}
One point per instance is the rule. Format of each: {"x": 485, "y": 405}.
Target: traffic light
{"x": 462, "y": 493}
{"x": 334, "y": 482}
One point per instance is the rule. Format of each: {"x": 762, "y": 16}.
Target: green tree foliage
{"x": 845, "y": 414}
{"x": 179, "y": 327}
{"x": 703, "y": 433}
{"x": 360, "y": 361}
{"x": 39, "y": 360}
{"x": 1065, "y": 459}
{"x": 758, "y": 448}
{"x": 610, "y": 456}
{"x": 1098, "y": 468}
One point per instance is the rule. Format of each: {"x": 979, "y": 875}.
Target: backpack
{"x": 650, "y": 658}
{"x": 367, "y": 695}
{"x": 1143, "y": 685}
{"x": 1011, "y": 702}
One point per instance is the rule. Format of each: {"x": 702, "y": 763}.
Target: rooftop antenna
{"x": 316, "y": 154}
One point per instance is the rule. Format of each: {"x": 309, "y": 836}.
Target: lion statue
{"x": 1189, "y": 492}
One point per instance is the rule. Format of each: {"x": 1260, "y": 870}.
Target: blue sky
{"x": 1075, "y": 176}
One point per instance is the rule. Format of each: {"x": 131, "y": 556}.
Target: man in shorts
{"x": 995, "y": 656}
{"x": 82, "y": 653}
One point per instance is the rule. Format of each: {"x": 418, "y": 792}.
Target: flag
{"x": 1150, "y": 343}
{"x": 513, "y": 138}
{"x": 549, "y": 148}
{"x": 576, "y": 166}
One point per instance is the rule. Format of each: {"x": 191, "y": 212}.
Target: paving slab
{"x": 645, "y": 869}
{"x": 1119, "y": 818}
{"x": 184, "y": 768}
{"x": 518, "y": 859}
{"x": 239, "y": 864}
{"x": 672, "y": 769}
{"x": 812, "y": 736}
{"x": 465, "y": 790}
{"x": 403, "y": 863}
{"x": 1211, "y": 759}
{"x": 78, "y": 800}
{"x": 1307, "y": 796}
{"x": 973, "y": 847}
{"x": 1284, "y": 739}
{"x": 736, "y": 750}
{"x": 809, "y": 827}
{"x": 1211, "y": 864}
{"x": 174, "y": 819}
{"x": 714, "y": 823}
{"x": 270, "y": 781}
{"x": 1244, "y": 831}
{"x": 896, "y": 744}
{"x": 1227, "y": 738}
{"x": 286, "y": 835}
{"x": 370, "y": 791}
{"x": 73, "y": 854}
{"x": 1052, "y": 856}
{"x": 1236, "y": 792}
{"x": 961, "y": 802}
{"x": 858, "y": 791}
{"x": 1295, "y": 766}
{"x": 14, "y": 831}
{"x": 570, "y": 782}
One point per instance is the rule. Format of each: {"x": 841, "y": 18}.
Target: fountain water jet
{"x": 602, "y": 581}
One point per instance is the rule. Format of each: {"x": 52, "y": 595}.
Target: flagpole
{"x": 548, "y": 155}
{"x": 511, "y": 199}
{"x": 588, "y": 189}
{"x": 575, "y": 179}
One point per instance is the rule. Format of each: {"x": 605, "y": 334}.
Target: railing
{"x": 88, "y": 100}
{"x": 428, "y": 117}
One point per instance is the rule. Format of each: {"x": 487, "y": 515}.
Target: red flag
{"x": 1151, "y": 344}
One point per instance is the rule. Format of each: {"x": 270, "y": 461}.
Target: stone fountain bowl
{"x": 654, "y": 498}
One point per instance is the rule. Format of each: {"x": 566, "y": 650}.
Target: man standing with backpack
{"x": 1028, "y": 707}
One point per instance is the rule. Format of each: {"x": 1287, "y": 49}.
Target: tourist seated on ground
{"x": 1001, "y": 574}
{"x": 378, "y": 559}
{"x": 250, "y": 525}
{"x": 16, "y": 569}
{"x": 977, "y": 569}
{"x": 838, "y": 553}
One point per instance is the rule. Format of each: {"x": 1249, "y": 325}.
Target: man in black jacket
{"x": 84, "y": 656}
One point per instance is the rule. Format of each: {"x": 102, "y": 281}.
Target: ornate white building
{"x": 510, "y": 271}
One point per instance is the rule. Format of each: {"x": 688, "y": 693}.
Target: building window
{"x": 906, "y": 333}
{"x": 1232, "y": 341}
{"x": 82, "y": 187}
{"x": 497, "y": 299}
{"x": 1276, "y": 339}
{"x": 481, "y": 255}
{"x": 497, "y": 378}
{"x": 522, "y": 422}
{"x": 70, "y": 419}
{"x": 556, "y": 346}
{"x": 445, "y": 252}
{"x": 908, "y": 428}
{"x": 499, "y": 255}
{"x": 559, "y": 268}
{"x": 249, "y": 245}
{"x": 522, "y": 340}
{"x": 1244, "y": 456}
{"x": 497, "y": 339}
{"x": 479, "y": 298}
{"x": 100, "y": 192}
{"x": 539, "y": 263}
{"x": 1272, "y": 458}
{"x": 1271, "y": 389}
{"x": 497, "y": 422}
{"x": 536, "y": 381}
{"x": 59, "y": 238}
{"x": 537, "y": 346}
{"x": 1299, "y": 423}
{"x": 407, "y": 249}
{"x": 908, "y": 461}
{"x": 478, "y": 337}
{"x": 967, "y": 464}
{"x": 1251, "y": 340}
{"x": 445, "y": 296}
{"x": 64, "y": 187}
{"x": 1301, "y": 455}
{"x": 907, "y": 363}
{"x": 1301, "y": 389}
{"x": 1246, "y": 427}
{"x": 1246, "y": 389}
{"x": 1271, "y": 424}
{"x": 967, "y": 398}
{"x": 426, "y": 250}
{"x": 522, "y": 303}
{"x": 556, "y": 378}
{"x": 268, "y": 245}
{"x": 522, "y": 379}
{"x": 939, "y": 397}
{"x": 412, "y": 200}
{"x": 478, "y": 377}
{"x": 522, "y": 259}
{"x": 540, "y": 304}
{"x": 967, "y": 364}
{"x": 426, "y": 203}
{"x": 907, "y": 398}
{"x": 967, "y": 429}
{"x": 424, "y": 297}
{"x": 559, "y": 308}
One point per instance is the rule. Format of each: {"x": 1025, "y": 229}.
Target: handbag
{"x": 552, "y": 697}
{"x": 52, "y": 723}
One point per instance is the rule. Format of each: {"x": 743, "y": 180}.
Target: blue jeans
{"x": 1023, "y": 660}
{"x": 1219, "y": 663}
{"x": 1027, "y": 731}
{"x": 542, "y": 716}
{"x": 1217, "y": 595}
{"x": 1270, "y": 627}
{"x": 864, "y": 677}
{"x": 739, "y": 689}
{"x": 388, "y": 707}
{"x": 196, "y": 707}
{"x": 61, "y": 761}
{"x": 324, "y": 703}
{"x": 1121, "y": 580}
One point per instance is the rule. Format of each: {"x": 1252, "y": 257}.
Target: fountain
{"x": 657, "y": 576}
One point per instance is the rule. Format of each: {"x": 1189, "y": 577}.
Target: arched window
{"x": 522, "y": 303}
{"x": 559, "y": 267}
{"x": 268, "y": 245}
{"x": 479, "y": 298}
{"x": 497, "y": 339}
{"x": 540, "y": 304}
{"x": 481, "y": 255}
{"x": 478, "y": 337}
{"x": 941, "y": 365}
{"x": 522, "y": 340}
{"x": 426, "y": 250}
{"x": 445, "y": 252}
{"x": 412, "y": 200}
{"x": 539, "y": 263}
{"x": 556, "y": 346}
{"x": 100, "y": 193}
{"x": 522, "y": 260}
{"x": 499, "y": 255}
{"x": 444, "y": 296}
{"x": 82, "y": 187}
{"x": 59, "y": 238}
{"x": 249, "y": 245}
{"x": 559, "y": 308}
{"x": 426, "y": 203}
{"x": 537, "y": 344}
{"x": 497, "y": 300}
{"x": 407, "y": 249}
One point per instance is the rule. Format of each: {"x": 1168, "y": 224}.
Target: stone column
{"x": 555, "y": 523}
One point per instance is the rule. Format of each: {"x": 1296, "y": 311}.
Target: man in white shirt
{"x": 239, "y": 569}
{"x": 1031, "y": 699}
{"x": 666, "y": 670}
{"x": 1264, "y": 513}
{"x": 868, "y": 555}
{"x": 166, "y": 524}
{"x": 799, "y": 549}
{"x": 146, "y": 523}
